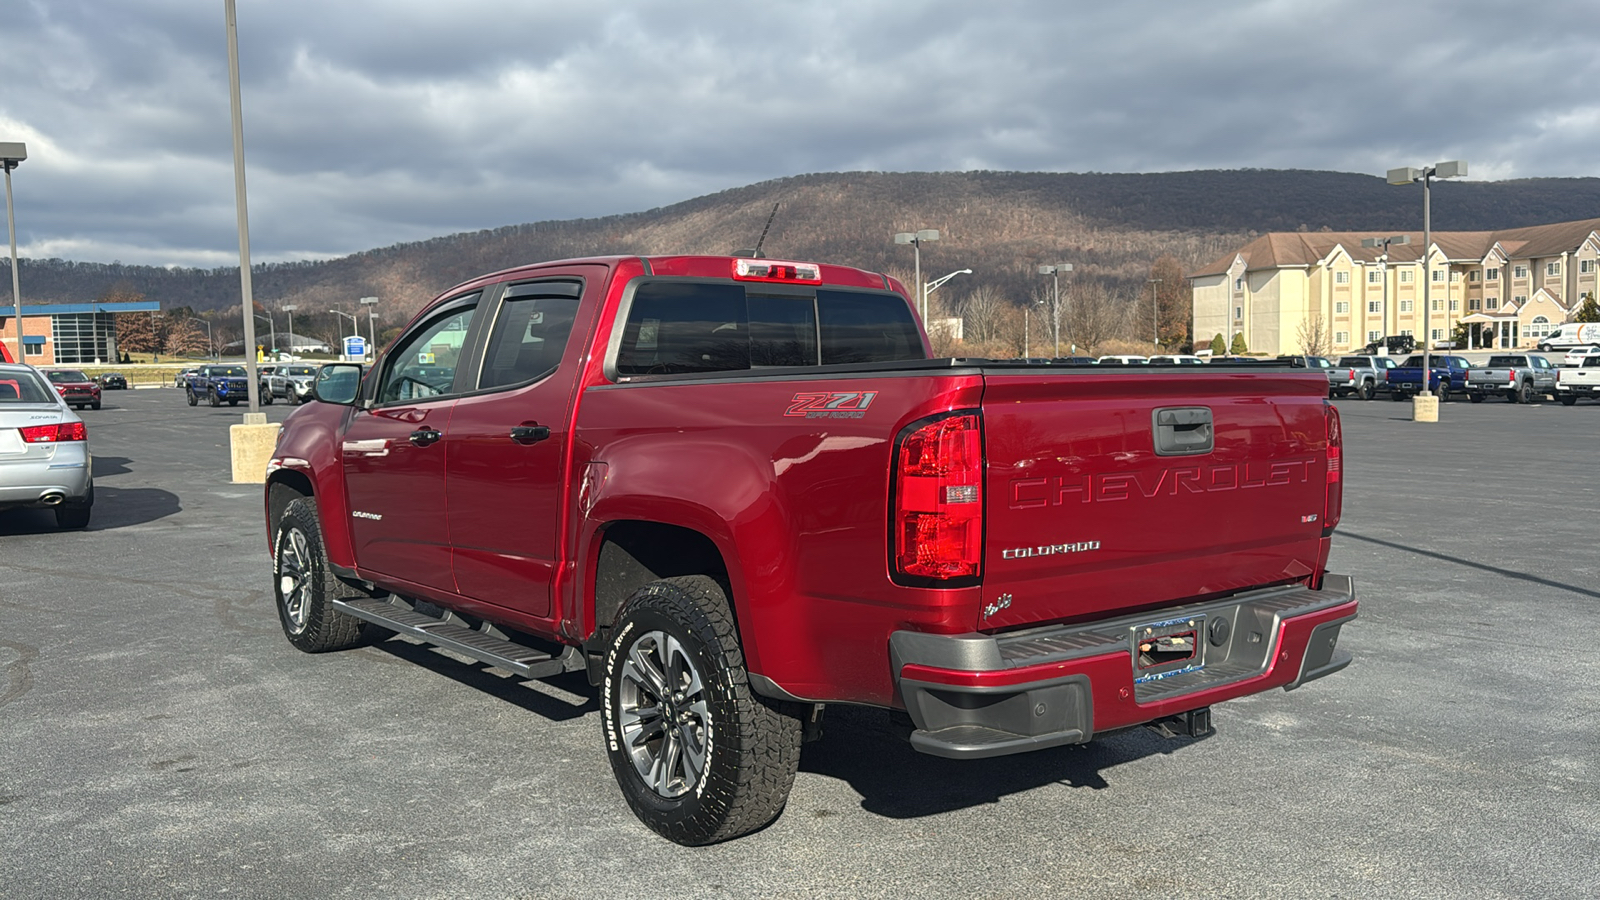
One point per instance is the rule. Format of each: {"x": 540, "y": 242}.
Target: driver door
{"x": 393, "y": 454}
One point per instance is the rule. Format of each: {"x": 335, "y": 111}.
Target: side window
{"x": 530, "y": 334}
{"x": 423, "y": 362}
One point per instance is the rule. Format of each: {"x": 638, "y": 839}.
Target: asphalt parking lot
{"x": 160, "y": 738}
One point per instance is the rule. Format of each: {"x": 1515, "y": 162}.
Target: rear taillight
{"x": 50, "y": 434}
{"x": 938, "y": 501}
{"x": 1333, "y": 498}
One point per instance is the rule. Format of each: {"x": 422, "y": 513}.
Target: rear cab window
{"x": 686, "y": 326}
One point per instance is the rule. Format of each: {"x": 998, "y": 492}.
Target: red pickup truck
{"x": 738, "y": 490}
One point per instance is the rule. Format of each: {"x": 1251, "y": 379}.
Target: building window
{"x": 1473, "y": 276}
{"x": 1341, "y": 307}
{"x": 1374, "y": 277}
{"x": 1238, "y": 312}
{"x": 1405, "y": 306}
{"x": 1438, "y": 334}
{"x": 1437, "y": 305}
{"x": 1455, "y": 305}
{"x": 83, "y": 337}
{"x": 1341, "y": 278}
{"x": 1552, "y": 269}
{"x": 1491, "y": 303}
{"x": 1406, "y": 332}
{"x": 1342, "y": 338}
{"x": 1374, "y": 306}
{"x": 1585, "y": 266}
{"x": 1492, "y": 273}
{"x": 1438, "y": 275}
{"x": 1520, "y": 299}
{"x": 1407, "y": 276}
{"x": 1519, "y": 272}
{"x": 1539, "y": 327}
{"x": 1374, "y": 335}
{"x": 33, "y": 350}
{"x": 1474, "y": 304}
{"x": 1238, "y": 284}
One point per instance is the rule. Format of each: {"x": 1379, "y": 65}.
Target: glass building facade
{"x": 84, "y": 337}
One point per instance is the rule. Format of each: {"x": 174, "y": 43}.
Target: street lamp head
{"x": 288, "y": 307}
{"x": 928, "y": 234}
{"x": 1405, "y": 175}
{"x": 1400, "y": 239}
{"x": 905, "y": 237}
{"x": 1455, "y": 168}
{"x": 369, "y": 300}
{"x": 964, "y": 272}
{"x": 13, "y": 152}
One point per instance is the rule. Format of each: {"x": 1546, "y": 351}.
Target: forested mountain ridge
{"x": 1111, "y": 227}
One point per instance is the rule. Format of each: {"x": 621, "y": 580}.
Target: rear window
{"x": 24, "y": 387}
{"x": 677, "y": 327}
{"x": 1505, "y": 361}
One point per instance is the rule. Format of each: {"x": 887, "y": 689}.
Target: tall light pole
{"x": 1453, "y": 169}
{"x": 916, "y": 239}
{"x": 11, "y": 155}
{"x": 1383, "y": 276}
{"x": 372, "y": 330}
{"x": 247, "y": 299}
{"x": 1055, "y": 304}
{"x": 289, "y": 308}
{"x": 355, "y": 326}
{"x": 1155, "y": 308}
{"x": 211, "y": 343}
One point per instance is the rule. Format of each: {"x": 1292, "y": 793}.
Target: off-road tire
{"x": 212, "y": 398}
{"x": 1365, "y": 390}
{"x": 751, "y": 746}
{"x": 1444, "y": 391}
{"x": 1524, "y": 393}
{"x": 193, "y": 400}
{"x": 304, "y": 586}
{"x": 1568, "y": 399}
{"x": 266, "y": 397}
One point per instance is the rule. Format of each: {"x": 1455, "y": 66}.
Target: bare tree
{"x": 184, "y": 338}
{"x": 982, "y": 310}
{"x": 1174, "y": 297}
{"x": 1094, "y": 316}
{"x": 1313, "y": 341}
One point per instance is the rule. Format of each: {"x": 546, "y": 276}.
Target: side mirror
{"x": 338, "y": 383}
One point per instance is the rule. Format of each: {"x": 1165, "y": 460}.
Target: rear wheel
{"x": 266, "y": 398}
{"x": 306, "y": 587}
{"x": 1524, "y": 392}
{"x": 76, "y": 515}
{"x": 1397, "y": 396}
{"x": 699, "y": 757}
{"x": 95, "y": 405}
{"x": 1365, "y": 391}
{"x": 1444, "y": 391}
{"x": 1475, "y": 398}
{"x": 1568, "y": 399}
{"x": 191, "y": 397}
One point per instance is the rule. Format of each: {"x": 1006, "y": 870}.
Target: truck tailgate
{"x": 1103, "y": 498}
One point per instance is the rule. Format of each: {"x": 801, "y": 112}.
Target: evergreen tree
{"x": 1238, "y": 348}
{"x": 1219, "y": 347}
{"x": 1589, "y": 311}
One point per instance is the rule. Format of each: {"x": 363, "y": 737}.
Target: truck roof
{"x": 696, "y": 266}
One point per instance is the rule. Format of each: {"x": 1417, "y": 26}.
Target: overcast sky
{"x": 370, "y": 122}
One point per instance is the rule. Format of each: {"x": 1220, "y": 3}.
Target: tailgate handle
{"x": 1182, "y": 431}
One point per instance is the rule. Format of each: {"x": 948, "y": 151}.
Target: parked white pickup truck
{"x": 1579, "y": 381}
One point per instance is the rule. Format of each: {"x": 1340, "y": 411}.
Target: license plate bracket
{"x": 1166, "y": 648}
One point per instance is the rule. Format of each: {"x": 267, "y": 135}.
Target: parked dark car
{"x": 1398, "y": 344}
{"x": 113, "y": 381}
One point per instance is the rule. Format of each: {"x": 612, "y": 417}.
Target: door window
{"x": 530, "y": 333}
{"x": 423, "y": 363}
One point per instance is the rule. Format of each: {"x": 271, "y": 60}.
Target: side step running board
{"x": 449, "y": 634}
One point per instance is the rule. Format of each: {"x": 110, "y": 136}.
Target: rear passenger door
{"x": 507, "y": 449}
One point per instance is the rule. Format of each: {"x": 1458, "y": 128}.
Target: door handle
{"x": 422, "y": 437}
{"x": 530, "y": 434}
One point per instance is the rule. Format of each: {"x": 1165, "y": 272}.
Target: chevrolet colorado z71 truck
{"x": 737, "y": 490}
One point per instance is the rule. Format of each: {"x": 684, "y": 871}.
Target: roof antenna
{"x": 756, "y": 253}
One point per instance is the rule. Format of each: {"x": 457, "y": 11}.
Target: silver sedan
{"x": 44, "y": 449}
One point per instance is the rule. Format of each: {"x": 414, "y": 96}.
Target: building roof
{"x": 1290, "y": 249}
{"x": 62, "y": 309}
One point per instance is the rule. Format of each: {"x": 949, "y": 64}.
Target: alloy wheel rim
{"x": 294, "y": 583}
{"x": 664, "y": 715}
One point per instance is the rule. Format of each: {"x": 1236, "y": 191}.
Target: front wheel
{"x": 699, "y": 757}
{"x": 212, "y": 398}
{"x": 305, "y": 587}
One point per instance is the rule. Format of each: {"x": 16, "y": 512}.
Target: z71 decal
{"x": 834, "y": 405}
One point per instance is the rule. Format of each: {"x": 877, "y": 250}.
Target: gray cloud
{"x": 368, "y": 123}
